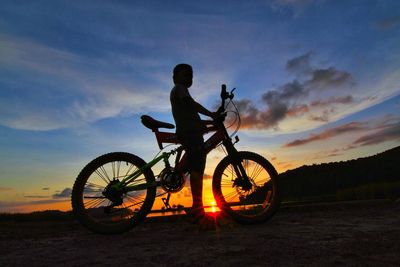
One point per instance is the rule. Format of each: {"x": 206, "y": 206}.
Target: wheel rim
{"x": 97, "y": 206}
{"x": 238, "y": 200}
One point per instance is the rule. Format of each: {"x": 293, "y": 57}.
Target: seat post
{"x": 157, "y": 133}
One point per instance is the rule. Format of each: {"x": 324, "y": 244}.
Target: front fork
{"x": 242, "y": 179}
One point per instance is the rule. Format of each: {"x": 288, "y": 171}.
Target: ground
{"x": 352, "y": 234}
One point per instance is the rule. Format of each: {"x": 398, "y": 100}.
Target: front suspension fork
{"x": 244, "y": 180}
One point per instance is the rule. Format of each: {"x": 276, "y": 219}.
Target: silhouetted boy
{"x": 189, "y": 129}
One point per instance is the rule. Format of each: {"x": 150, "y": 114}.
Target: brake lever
{"x": 231, "y": 95}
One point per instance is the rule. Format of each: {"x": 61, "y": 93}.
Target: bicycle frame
{"x": 124, "y": 183}
{"x": 212, "y": 142}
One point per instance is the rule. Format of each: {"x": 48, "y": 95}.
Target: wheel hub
{"x": 244, "y": 184}
{"x": 113, "y": 193}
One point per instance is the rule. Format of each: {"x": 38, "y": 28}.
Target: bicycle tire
{"x": 262, "y": 201}
{"x": 123, "y": 217}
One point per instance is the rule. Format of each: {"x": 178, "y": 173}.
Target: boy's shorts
{"x": 193, "y": 143}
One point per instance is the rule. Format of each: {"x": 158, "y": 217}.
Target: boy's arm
{"x": 199, "y": 108}
{"x": 202, "y": 110}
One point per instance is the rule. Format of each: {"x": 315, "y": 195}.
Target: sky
{"x": 316, "y": 81}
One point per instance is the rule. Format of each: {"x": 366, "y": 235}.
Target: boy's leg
{"x": 196, "y": 160}
{"x": 196, "y": 186}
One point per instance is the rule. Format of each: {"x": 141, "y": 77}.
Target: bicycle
{"x": 115, "y": 192}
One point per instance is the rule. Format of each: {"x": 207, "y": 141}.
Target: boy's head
{"x": 183, "y": 74}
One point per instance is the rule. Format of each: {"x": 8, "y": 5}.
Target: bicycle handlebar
{"x": 225, "y": 95}
{"x": 221, "y": 110}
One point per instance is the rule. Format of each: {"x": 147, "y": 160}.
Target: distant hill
{"x": 376, "y": 176}
{"x": 46, "y": 215}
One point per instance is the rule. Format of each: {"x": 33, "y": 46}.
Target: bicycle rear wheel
{"x": 100, "y": 207}
{"x": 247, "y": 203}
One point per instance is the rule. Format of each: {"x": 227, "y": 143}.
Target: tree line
{"x": 376, "y": 176}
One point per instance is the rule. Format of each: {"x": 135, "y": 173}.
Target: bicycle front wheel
{"x": 104, "y": 209}
{"x": 247, "y": 201}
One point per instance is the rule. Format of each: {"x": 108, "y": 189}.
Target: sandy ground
{"x": 350, "y": 234}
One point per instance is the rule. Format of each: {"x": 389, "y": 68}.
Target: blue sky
{"x": 316, "y": 80}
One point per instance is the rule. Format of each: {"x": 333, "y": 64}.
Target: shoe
{"x": 194, "y": 214}
{"x": 207, "y": 223}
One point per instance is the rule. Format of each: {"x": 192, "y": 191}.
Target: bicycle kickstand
{"x": 166, "y": 201}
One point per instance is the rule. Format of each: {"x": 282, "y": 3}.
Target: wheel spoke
{"x": 246, "y": 203}
{"x": 129, "y": 170}
{"x": 137, "y": 182}
{"x": 258, "y": 172}
{"x": 113, "y": 168}
{"x": 94, "y": 203}
{"x": 135, "y": 198}
{"x": 118, "y": 167}
{"x": 105, "y": 173}
{"x": 229, "y": 195}
{"x": 101, "y": 176}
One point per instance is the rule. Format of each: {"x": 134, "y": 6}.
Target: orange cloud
{"x": 392, "y": 132}
{"x": 349, "y": 127}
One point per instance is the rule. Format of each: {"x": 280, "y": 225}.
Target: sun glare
{"x": 213, "y": 207}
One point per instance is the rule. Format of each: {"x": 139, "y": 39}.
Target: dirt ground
{"x": 349, "y": 234}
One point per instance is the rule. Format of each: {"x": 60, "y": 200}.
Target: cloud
{"x": 389, "y": 23}
{"x": 3, "y": 189}
{"x": 329, "y": 133}
{"x": 68, "y": 90}
{"x": 388, "y": 133}
{"x": 329, "y": 78}
{"x": 285, "y": 93}
{"x": 386, "y": 128}
{"x": 7, "y": 205}
{"x": 292, "y": 99}
{"x": 300, "y": 65}
{"x": 36, "y": 196}
{"x": 65, "y": 193}
{"x": 252, "y": 117}
{"x": 297, "y": 6}
{"x": 297, "y": 110}
{"x": 333, "y": 100}
{"x": 60, "y": 88}
{"x": 328, "y": 154}
{"x": 323, "y": 116}
{"x": 46, "y": 188}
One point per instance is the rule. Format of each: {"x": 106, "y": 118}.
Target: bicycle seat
{"x": 153, "y": 124}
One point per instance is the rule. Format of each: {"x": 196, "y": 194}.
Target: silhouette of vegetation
{"x": 47, "y": 215}
{"x": 372, "y": 177}
{"x": 364, "y": 178}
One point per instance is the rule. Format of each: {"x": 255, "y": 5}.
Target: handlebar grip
{"x": 223, "y": 91}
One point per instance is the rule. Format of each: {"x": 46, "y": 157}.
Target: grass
{"x": 388, "y": 190}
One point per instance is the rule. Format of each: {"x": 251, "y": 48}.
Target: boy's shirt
{"x": 186, "y": 117}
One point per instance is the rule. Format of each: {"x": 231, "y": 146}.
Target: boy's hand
{"x": 220, "y": 117}
{"x": 220, "y": 110}
{"x": 214, "y": 115}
